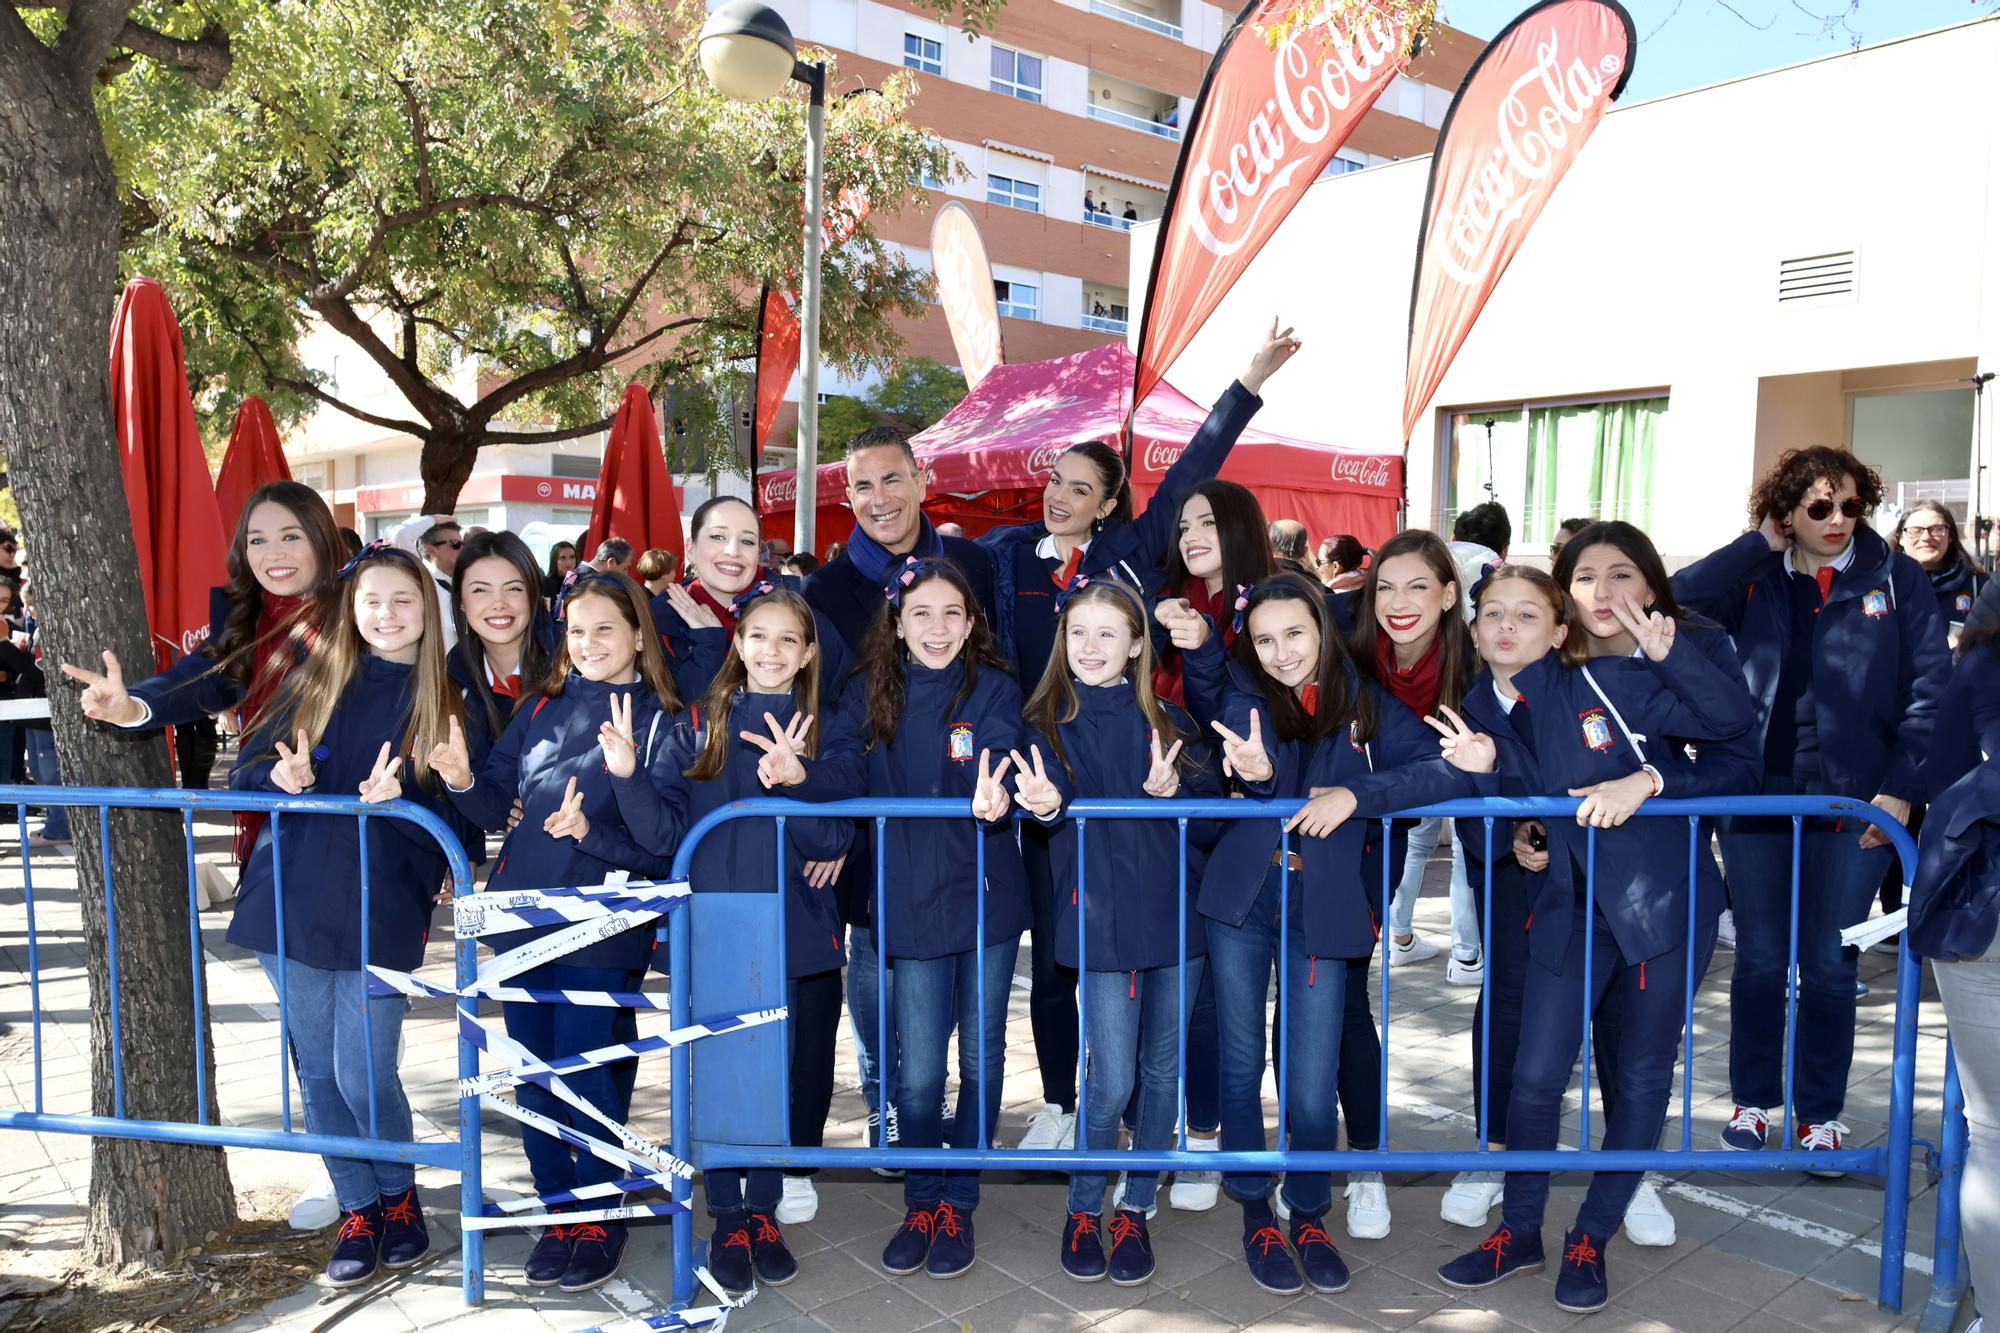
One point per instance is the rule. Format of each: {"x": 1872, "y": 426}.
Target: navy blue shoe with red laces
{"x": 405, "y": 1237}
{"x": 356, "y": 1247}
{"x": 1131, "y": 1249}
{"x": 549, "y": 1260}
{"x": 951, "y": 1242}
{"x": 1319, "y": 1259}
{"x": 1580, "y": 1283}
{"x": 597, "y": 1248}
{"x": 772, "y": 1257}
{"x": 731, "y": 1256}
{"x": 1271, "y": 1265}
{"x": 1499, "y": 1257}
{"x": 911, "y": 1245}
{"x": 1083, "y": 1249}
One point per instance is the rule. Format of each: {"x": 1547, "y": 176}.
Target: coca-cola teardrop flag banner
{"x": 777, "y": 361}
{"x": 1525, "y": 110}
{"x": 1265, "y": 123}
{"x": 965, "y": 290}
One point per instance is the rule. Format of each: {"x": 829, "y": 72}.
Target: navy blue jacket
{"x": 550, "y": 741}
{"x": 1566, "y": 738}
{"x": 740, "y": 855}
{"x": 1130, "y": 551}
{"x": 695, "y": 656}
{"x": 1880, "y": 658}
{"x": 460, "y": 669}
{"x": 1958, "y": 587}
{"x": 322, "y": 853}
{"x": 1132, "y": 918}
{"x": 1968, "y": 720}
{"x": 852, "y": 600}
{"x": 931, "y": 901}
{"x": 1397, "y": 770}
{"x": 1955, "y": 901}
{"x": 192, "y": 689}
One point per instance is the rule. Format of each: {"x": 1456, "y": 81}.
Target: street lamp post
{"x": 748, "y": 53}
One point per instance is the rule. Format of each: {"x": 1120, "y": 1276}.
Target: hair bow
{"x": 569, "y": 583}
{"x": 901, "y": 580}
{"x": 1076, "y": 585}
{"x": 1485, "y": 573}
{"x": 1242, "y": 608}
{"x": 750, "y": 594}
{"x": 368, "y": 552}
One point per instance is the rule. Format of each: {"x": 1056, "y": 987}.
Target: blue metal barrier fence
{"x": 1889, "y": 1160}
{"x": 461, "y": 1155}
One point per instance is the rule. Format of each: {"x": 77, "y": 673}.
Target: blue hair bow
{"x": 1076, "y": 585}
{"x": 1242, "y": 608}
{"x": 569, "y": 583}
{"x": 368, "y": 552}
{"x": 760, "y": 588}
{"x": 900, "y": 579}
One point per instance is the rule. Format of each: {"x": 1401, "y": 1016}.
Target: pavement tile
{"x": 1682, "y": 1304}
{"x": 833, "y": 1274}
{"x": 1384, "y": 1298}
{"x": 886, "y": 1307}
{"x": 1166, "y": 1312}
{"x": 1817, "y": 1306}
{"x": 1021, "y": 1310}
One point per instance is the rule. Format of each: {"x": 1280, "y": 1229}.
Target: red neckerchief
{"x": 1824, "y": 576}
{"x": 699, "y": 591}
{"x": 1418, "y": 687}
{"x": 1063, "y": 573}
{"x": 508, "y": 686}
{"x": 1309, "y": 697}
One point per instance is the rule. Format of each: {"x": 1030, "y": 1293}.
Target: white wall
{"x": 1655, "y": 265}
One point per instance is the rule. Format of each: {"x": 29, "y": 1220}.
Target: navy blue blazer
{"x": 1880, "y": 655}
{"x": 192, "y": 689}
{"x": 1132, "y": 918}
{"x": 852, "y": 600}
{"x": 741, "y": 855}
{"x": 1955, "y": 901}
{"x": 1968, "y": 720}
{"x": 551, "y": 740}
{"x": 321, "y": 854}
{"x": 695, "y": 656}
{"x": 931, "y": 902}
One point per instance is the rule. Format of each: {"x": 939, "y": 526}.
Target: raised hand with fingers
{"x": 621, "y": 751}
{"x": 692, "y": 613}
{"x": 1033, "y": 791}
{"x": 1654, "y": 633}
{"x": 781, "y": 765}
{"x": 1463, "y": 748}
{"x": 104, "y": 698}
{"x": 450, "y": 759}
{"x": 989, "y": 794}
{"x": 568, "y": 821}
{"x": 293, "y": 773}
{"x": 1163, "y": 775}
{"x": 1186, "y": 627}
{"x": 382, "y": 784}
{"x": 1244, "y": 756}
{"x": 1273, "y": 350}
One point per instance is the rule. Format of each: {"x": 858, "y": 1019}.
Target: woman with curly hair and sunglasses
{"x": 1844, "y": 651}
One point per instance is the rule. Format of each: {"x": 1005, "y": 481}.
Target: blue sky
{"x": 1687, "y": 43}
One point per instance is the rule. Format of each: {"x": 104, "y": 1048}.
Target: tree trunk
{"x": 58, "y": 281}
{"x": 445, "y": 464}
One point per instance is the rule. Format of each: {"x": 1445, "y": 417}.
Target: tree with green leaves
{"x": 917, "y": 393}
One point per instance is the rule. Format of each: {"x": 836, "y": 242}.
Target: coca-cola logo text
{"x": 1534, "y": 122}
{"x": 1232, "y": 184}
{"x": 1043, "y": 458}
{"x": 1359, "y": 471}
{"x": 782, "y": 490}
{"x": 1160, "y": 456}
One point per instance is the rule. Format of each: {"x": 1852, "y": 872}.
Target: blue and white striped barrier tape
{"x": 709, "y": 1317}
{"x": 495, "y": 1080}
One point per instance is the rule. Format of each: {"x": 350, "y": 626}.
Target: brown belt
{"x": 1283, "y": 858}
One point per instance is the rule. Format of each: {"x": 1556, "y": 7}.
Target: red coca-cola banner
{"x": 1265, "y": 123}
{"x": 777, "y": 361}
{"x": 1525, "y": 110}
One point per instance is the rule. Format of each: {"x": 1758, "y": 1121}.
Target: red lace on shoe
{"x": 1581, "y": 1252}
{"x": 1312, "y": 1233}
{"x": 1123, "y": 1228}
{"x": 1266, "y": 1236}
{"x": 919, "y": 1219}
{"x": 766, "y": 1230}
{"x": 403, "y": 1210}
{"x": 355, "y": 1224}
{"x": 1498, "y": 1243}
{"x": 1083, "y": 1222}
{"x": 740, "y": 1236}
{"x": 556, "y": 1230}
{"x": 589, "y": 1231}
{"x": 946, "y": 1220}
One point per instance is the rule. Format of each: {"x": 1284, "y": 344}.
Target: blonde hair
{"x": 1054, "y": 701}
{"x": 308, "y": 697}
{"x": 719, "y": 704}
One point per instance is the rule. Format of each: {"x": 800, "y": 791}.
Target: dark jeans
{"x": 1360, "y": 1061}
{"x": 934, "y": 995}
{"x": 814, "y": 1006}
{"x": 1134, "y": 1021}
{"x": 42, "y": 767}
{"x": 1655, "y": 999}
{"x": 1051, "y": 988}
{"x": 1837, "y": 881}
{"x": 1507, "y": 982}
{"x": 550, "y": 1030}
{"x": 1242, "y": 959}
{"x": 195, "y": 744}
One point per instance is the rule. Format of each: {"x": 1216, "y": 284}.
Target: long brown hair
{"x": 1054, "y": 700}
{"x": 881, "y": 661}
{"x": 309, "y": 695}
{"x": 1340, "y": 699}
{"x": 1458, "y": 659}
{"x": 618, "y": 589}
{"x": 238, "y": 649}
{"x": 719, "y": 705}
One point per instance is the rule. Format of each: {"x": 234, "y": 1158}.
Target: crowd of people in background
{"x": 573, "y": 717}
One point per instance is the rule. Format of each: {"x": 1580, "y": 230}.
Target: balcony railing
{"x": 1135, "y": 18}
{"x": 1111, "y": 220}
{"x": 1139, "y": 123}
{"x": 1104, "y": 324}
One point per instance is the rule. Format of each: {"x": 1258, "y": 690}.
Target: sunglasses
{"x": 449, "y": 542}
{"x": 1819, "y": 511}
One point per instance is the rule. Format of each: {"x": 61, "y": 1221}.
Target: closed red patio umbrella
{"x": 254, "y": 458}
{"x": 636, "y": 497}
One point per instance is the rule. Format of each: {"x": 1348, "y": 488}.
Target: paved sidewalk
{"x": 1756, "y": 1252}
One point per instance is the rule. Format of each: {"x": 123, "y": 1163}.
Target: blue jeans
{"x": 1424, "y": 839}
{"x": 1133, "y": 1022}
{"x": 326, "y": 1027}
{"x": 865, "y": 984}
{"x": 1837, "y": 882}
{"x": 43, "y": 770}
{"x": 932, "y": 996}
{"x": 550, "y": 1030}
{"x": 1241, "y": 959}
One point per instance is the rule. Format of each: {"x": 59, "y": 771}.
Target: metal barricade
{"x": 1889, "y": 1160}
{"x": 460, "y": 1155}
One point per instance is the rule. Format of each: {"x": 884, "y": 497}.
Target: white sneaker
{"x": 1471, "y": 1197}
{"x": 1367, "y": 1206}
{"x": 1048, "y": 1129}
{"x": 1725, "y": 929}
{"x": 1647, "y": 1221}
{"x": 1459, "y": 972}
{"x": 317, "y": 1207}
{"x": 801, "y": 1201}
{"x": 1196, "y": 1191}
{"x": 1416, "y": 951}
{"x": 1118, "y": 1199}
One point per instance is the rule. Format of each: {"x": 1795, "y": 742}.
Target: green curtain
{"x": 1621, "y": 469}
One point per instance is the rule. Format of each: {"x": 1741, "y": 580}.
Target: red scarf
{"x": 723, "y": 610}
{"x": 270, "y": 663}
{"x": 1417, "y": 688}
{"x": 1220, "y": 609}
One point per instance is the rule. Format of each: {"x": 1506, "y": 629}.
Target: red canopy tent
{"x": 174, "y": 521}
{"x": 636, "y": 498}
{"x": 253, "y": 459}
{"x": 992, "y": 454}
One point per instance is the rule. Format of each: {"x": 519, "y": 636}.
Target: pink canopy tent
{"x": 991, "y": 455}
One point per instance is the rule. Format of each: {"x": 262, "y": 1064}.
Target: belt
{"x": 1284, "y": 858}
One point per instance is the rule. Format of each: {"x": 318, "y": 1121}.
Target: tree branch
{"x": 545, "y": 436}
{"x": 88, "y": 35}
{"x": 205, "y": 60}
{"x": 313, "y": 391}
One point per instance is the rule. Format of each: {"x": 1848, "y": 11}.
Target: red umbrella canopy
{"x": 636, "y": 498}
{"x": 174, "y": 520}
{"x": 253, "y": 459}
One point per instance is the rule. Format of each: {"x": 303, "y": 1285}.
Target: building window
{"x": 923, "y": 54}
{"x": 1013, "y": 193}
{"x": 1549, "y": 463}
{"x": 1017, "y": 75}
{"x": 1017, "y": 299}
{"x": 583, "y": 467}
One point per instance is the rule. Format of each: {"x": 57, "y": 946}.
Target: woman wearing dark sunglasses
{"x": 1844, "y": 650}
